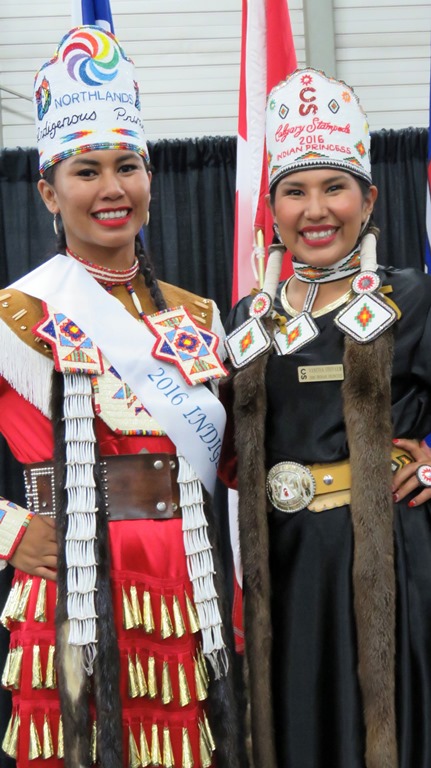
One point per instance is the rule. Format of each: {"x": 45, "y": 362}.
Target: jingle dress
{"x": 163, "y": 675}
{"x": 318, "y": 711}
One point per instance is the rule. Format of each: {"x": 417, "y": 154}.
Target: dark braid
{"x": 147, "y": 270}
{"x": 61, "y": 237}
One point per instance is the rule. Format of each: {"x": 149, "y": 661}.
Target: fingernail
{"x": 395, "y": 441}
{"x": 411, "y": 503}
{"x": 395, "y": 496}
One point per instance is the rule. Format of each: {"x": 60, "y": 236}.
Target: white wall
{"x": 383, "y": 50}
{"x": 187, "y": 57}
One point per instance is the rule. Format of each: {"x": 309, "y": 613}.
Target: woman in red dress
{"x": 116, "y": 634}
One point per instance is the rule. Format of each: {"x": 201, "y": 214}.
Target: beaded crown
{"x": 315, "y": 121}
{"x": 86, "y": 97}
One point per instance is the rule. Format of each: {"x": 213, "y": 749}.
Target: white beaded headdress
{"x": 87, "y": 98}
{"x": 315, "y": 121}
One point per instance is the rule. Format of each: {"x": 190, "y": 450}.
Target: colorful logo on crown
{"x": 73, "y": 350}
{"x": 182, "y": 342}
{"x": 91, "y": 57}
{"x": 43, "y": 98}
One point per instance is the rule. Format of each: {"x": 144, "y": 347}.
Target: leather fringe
{"x": 249, "y": 414}
{"x": 73, "y": 682}
{"x": 367, "y": 415}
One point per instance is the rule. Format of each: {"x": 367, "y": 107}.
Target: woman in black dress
{"x": 331, "y": 403}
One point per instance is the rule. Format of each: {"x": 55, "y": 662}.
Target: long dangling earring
{"x": 55, "y": 224}
{"x": 147, "y": 220}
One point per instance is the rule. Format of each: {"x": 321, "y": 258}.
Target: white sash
{"x": 192, "y": 416}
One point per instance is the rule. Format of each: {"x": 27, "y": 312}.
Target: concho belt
{"x": 292, "y": 487}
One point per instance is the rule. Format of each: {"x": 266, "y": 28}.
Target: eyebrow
{"x": 328, "y": 180}
{"x": 82, "y": 160}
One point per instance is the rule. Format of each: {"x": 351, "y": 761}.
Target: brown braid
{"x": 147, "y": 270}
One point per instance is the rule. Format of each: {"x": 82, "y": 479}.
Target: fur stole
{"x": 249, "y": 415}
{"x": 73, "y": 682}
{"x": 222, "y": 696}
{"x": 367, "y": 414}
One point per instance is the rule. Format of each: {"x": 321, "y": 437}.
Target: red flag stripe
{"x": 267, "y": 56}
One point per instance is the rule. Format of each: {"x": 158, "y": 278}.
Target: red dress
{"x": 163, "y": 672}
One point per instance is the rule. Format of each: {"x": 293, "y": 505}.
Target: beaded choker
{"x": 105, "y": 275}
{"x": 348, "y": 265}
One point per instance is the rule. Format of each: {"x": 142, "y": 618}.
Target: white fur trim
{"x": 369, "y": 253}
{"x": 273, "y": 269}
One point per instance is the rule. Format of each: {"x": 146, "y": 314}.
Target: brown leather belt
{"x": 135, "y": 487}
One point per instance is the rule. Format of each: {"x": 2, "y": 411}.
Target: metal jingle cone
{"x": 187, "y": 760}
{"x": 156, "y": 755}
{"x": 142, "y": 684}
{"x": 167, "y": 693}
{"x": 40, "y": 609}
{"x": 145, "y": 750}
{"x": 134, "y": 756}
{"x": 36, "y": 669}
{"x": 166, "y": 628}
{"x": 168, "y": 753}
{"x": 48, "y": 746}
{"x": 128, "y": 621}
{"x": 179, "y": 624}
{"x": 133, "y": 685}
{"x": 34, "y": 748}
{"x": 148, "y": 617}
{"x": 192, "y": 615}
{"x": 136, "y": 611}
{"x": 185, "y": 697}
{"x": 152, "y": 680}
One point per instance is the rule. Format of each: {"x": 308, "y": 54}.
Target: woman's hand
{"x": 405, "y": 480}
{"x": 36, "y": 553}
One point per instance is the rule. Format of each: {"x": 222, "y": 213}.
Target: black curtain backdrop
{"x": 191, "y": 235}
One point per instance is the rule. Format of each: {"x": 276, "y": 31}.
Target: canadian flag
{"x": 267, "y": 57}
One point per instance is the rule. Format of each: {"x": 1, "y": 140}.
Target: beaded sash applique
{"x": 73, "y": 350}
{"x": 118, "y": 406}
{"x": 183, "y": 343}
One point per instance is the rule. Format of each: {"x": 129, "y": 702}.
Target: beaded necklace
{"x": 348, "y": 265}
{"x": 110, "y": 277}
{"x": 303, "y": 328}
{"x": 106, "y": 275}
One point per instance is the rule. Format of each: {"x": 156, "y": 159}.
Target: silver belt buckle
{"x": 290, "y": 486}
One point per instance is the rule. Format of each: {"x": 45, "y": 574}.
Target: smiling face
{"x": 103, "y": 198}
{"x": 320, "y": 214}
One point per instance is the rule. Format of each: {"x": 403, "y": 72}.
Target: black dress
{"x": 316, "y": 694}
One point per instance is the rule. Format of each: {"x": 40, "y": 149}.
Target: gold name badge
{"x": 309, "y": 373}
